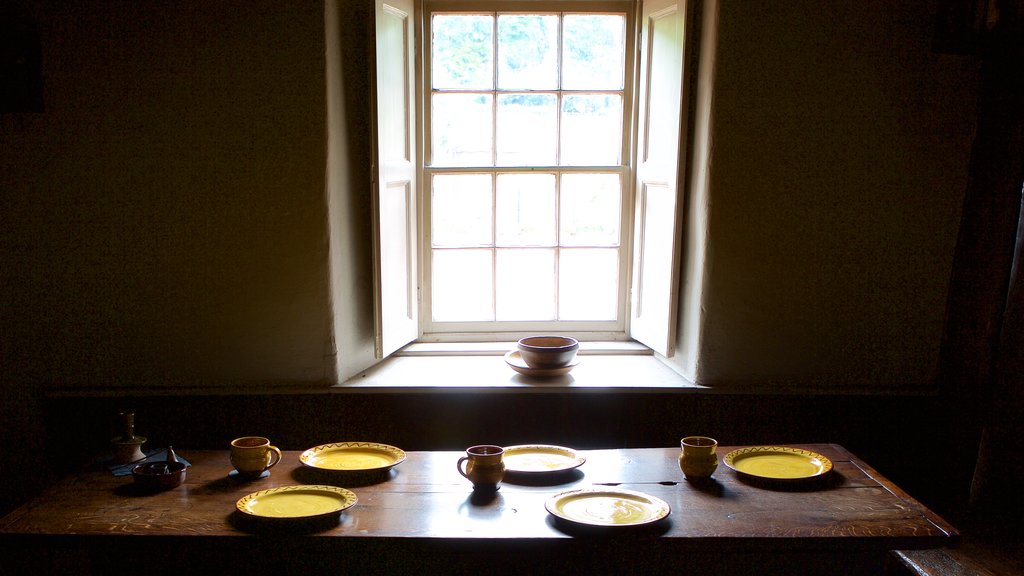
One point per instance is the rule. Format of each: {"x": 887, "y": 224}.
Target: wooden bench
{"x": 991, "y": 549}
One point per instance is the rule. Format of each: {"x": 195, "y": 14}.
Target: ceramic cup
{"x": 484, "y": 466}
{"x": 698, "y": 459}
{"x": 251, "y": 455}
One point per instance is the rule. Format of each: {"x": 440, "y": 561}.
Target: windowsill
{"x": 440, "y": 368}
{"x": 481, "y": 367}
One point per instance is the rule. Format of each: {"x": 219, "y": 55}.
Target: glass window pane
{"x": 588, "y": 283}
{"x": 594, "y": 52}
{"x": 460, "y": 209}
{"x": 589, "y": 214}
{"x": 527, "y": 129}
{"x": 525, "y": 284}
{"x": 461, "y": 129}
{"x": 462, "y": 52}
{"x": 526, "y": 90}
{"x": 591, "y": 130}
{"x": 525, "y": 210}
{"x": 528, "y": 52}
{"x": 461, "y": 286}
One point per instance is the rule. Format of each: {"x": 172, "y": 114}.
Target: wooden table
{"x": 423, "y": 517}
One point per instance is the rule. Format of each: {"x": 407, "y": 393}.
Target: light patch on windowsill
{"x": 500, "y": 348}
{"x": 437, "y": 367}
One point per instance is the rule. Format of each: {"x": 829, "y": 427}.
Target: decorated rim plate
{"x": 777, "y": 462}
{"x": 353, "y": 456}
{"x": 540, "y": 459}
{"x": 514, "y": 359}
{"x": 607, "y": 507}
{"x": 304, "y": 501}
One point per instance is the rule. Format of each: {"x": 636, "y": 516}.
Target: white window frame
{"x": 653, "y": 171}
{"x": 460, "y": 331}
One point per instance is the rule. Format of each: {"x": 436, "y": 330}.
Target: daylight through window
{"x": 526, "y": 167}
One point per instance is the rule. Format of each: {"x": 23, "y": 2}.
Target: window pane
{"x": 525, "y": 210}
{"x": 591, "y": 130}
{"x": 528, "y": 52}
{"x": 460, "y": 208}
{"x": 461, "y": 286}
{"x": 462, "y": 52}
{"x": 461, "y": 129}
{"x": 588, "y": 284}
{"x": 589, "y": 212}
{"x": 527, "y": 129}
{"x": 526, "y": 284}
{"x": 594, "y": 52}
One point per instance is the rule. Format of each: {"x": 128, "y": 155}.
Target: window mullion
{"x": 558, "y": 102}
{"x": 494, "y": 91}
{"x": 494, "y": 244}
{"x": 560, "y": 56}
{"x": 494, "y": 164}
{"x": 558, "y": 246}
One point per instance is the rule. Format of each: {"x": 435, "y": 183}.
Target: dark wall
{"x": 162, "y": 215}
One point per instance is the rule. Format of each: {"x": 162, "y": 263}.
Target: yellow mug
{"x": 485, "y": 466}
{"x": 251, "y": 455}
{"x": 698, "y": 459}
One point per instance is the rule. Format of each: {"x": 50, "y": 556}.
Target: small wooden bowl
{"x": 159, "y": 475}
{"x": 548, "y": 351}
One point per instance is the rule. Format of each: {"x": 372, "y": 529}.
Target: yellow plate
{"x": 352, "y": 456}
{"x": 515, "y": 360}
{"x": 777, "y": 462}
{"x": 302, "y": 501}
{"x": 611, "y": 507}
{"x": 540, "y": 458}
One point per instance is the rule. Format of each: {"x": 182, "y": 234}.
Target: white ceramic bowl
{"x": 548, "y": 351}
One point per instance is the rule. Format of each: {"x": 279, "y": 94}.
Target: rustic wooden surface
{"x": 424, "y": 503}
{"x": 426, "y": 497}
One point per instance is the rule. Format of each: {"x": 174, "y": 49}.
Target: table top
{"x": 425, "y": 497}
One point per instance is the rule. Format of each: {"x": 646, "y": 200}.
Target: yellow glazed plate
{"x": 541, "y": 458}
{"x": 611, "y": 507}
{"x": 514, "y": 359}
{"x": 777, "y": 462}
{"x": 353, "y": 456}
{"x": 302, "y": 501}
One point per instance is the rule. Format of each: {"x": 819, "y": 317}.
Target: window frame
{"x": 657, "y": 329}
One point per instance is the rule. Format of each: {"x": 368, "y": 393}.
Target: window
{"x": 525, "y": 165}
{"x": 521, "y": 185}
